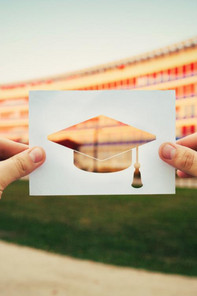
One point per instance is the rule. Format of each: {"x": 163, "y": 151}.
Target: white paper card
{"x": 53, "y": 111}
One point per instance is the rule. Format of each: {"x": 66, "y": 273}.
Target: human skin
{"x": 182, "y": 155}
{"x": 17, "y": 160}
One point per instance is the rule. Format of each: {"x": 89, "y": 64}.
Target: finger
{"x": 9, "y": 148}
{"x": 189, "y": 141}
{"x": 180, "y": 157}
{"x": 20, "y": 165}
{"x": 181, "y": 174}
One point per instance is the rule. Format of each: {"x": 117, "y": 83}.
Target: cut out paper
{"x": 103, "y": 145}
{"x": 102, "y": 142}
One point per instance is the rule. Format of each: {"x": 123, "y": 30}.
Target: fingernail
{"x": 168, "y": 151}
{"x": 36, "y": 154}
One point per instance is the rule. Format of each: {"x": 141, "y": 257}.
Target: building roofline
{"x": 119, "y": 64}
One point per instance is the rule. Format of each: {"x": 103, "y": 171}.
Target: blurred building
{"x": 172, "y": 67}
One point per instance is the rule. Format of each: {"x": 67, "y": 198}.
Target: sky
{"x": 42, "y": 38}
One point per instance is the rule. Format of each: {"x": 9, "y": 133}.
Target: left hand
{"x": 17, "y": 160}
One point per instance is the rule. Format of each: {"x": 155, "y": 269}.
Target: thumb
{"x": 20, "y": 165}
{"x": 180, "y": 157}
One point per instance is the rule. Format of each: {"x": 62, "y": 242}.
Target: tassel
{"x": 137, "y": 182}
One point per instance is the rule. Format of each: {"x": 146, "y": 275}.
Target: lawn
{"x": 151, "y": 232}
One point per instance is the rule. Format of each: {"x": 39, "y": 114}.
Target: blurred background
{"x": 96, "y": 45}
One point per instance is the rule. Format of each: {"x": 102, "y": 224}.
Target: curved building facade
{"x": 172, "y": 67}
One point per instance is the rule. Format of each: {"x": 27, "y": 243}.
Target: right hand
{"x": 182, "y": 155}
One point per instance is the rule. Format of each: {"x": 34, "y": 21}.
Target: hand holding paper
{"x": 17, "y": 161}
{"x": 182, "y": 155}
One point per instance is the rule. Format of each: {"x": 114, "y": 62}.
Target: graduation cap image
{"x": 103, "y": 145}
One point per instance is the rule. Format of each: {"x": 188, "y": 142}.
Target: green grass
{"x": 152, "y": 232}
